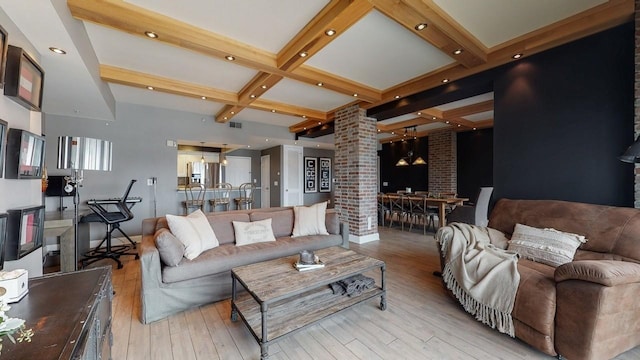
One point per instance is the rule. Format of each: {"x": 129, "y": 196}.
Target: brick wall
{"x": 442, "y": 161}
{"x": 355, "y": 170}
{"x": 637, "y": 100}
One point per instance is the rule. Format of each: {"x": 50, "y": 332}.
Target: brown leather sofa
{"x": 589, "y": 308}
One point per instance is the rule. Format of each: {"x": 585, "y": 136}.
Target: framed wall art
{"x": 24, "y": 79}
{"x": 325, "y": 175}
{"x": 310, "y": 174}
{"x": 4, "y": 45}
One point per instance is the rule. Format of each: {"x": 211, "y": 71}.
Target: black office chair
{"x": 112, "y": 219}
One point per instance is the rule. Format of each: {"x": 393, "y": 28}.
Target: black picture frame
{"x": 310, "y": 174}
{"x": 324, "y": 175}
{"x": 25, "y": 231}
{"x": 25, "y": 155}
{"x": 4, "y": 126}
{"x": 24, "y": 79}
{"x": 4, "y": 46}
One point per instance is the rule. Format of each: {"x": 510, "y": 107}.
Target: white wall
{"x": 19, "y": 193}
{"x": 139, "y": 135}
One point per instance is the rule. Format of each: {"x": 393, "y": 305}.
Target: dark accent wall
{"x": 275, "y": 158}
{"x": 475, "y": 161}
{"x": 312, "y": 198}
{"x": 562, "y": 118}
{"x": 400, "y": 177}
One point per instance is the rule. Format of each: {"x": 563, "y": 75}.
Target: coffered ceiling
{"x": 291, "y": 63}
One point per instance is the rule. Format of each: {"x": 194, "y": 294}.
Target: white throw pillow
{"x": 547, "y": 246}
{"x": 310, "y": 220}
{"x": 253, "y": 232}
{"x": 194, "y": 232}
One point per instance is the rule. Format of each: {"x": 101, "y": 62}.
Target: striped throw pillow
{"x": 547, "y": 246}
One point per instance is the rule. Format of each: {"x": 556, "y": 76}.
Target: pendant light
{"x": 223, "y": 156}
{"x": 202, "y": 160}
{"x": 412, "y": 133}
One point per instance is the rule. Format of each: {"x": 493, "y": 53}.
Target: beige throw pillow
{"x": 547, "y": 246}
{"x": 194, "y": 232}
{"x": 310, "y": 220}
{"x": 170, "y": 248}
{"x": 253, "y": 232}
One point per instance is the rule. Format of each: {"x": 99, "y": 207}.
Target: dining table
{"x": 441, "y": 202}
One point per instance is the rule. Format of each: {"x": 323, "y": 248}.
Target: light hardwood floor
{"x": 421, "y": 321}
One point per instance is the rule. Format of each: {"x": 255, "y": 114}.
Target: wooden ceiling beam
{"x": 268, "y": 105}
{"x": 469, "y": 110}
{"x": 399, "y": 126}
{"x": 255, "y": 88}
{"x": 141, "y": 80}
{"x": 402, "y": 138}
{"x": 410, "y": 14}
{"x": 337, "y": 16}
{"x": 135, "y": 20}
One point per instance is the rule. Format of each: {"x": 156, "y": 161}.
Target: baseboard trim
{"x": 364, "y": 239}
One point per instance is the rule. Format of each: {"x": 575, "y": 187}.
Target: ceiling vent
{"x": 235, "y": 124}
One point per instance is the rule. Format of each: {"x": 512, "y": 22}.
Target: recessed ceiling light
{"x": 226, "y": 118}
{"x": 253, "y": 96}
{"x": 397, "y": 97}
{"x": 330, "y": 32}
{"x": 420, "y": 26}
{"x": 404, "y": 135}
{"x": 402, "y": 140}
{"x": 266, "y": 139}
{"x": 304, "y": 128}
{"x": 445, "y": 81}
{"x": 57, "y": 50}
{"x": 230, "y": 58}
{"x": 355, "y": 95}
{"x": 248, "y": 146}
{"x": 457, "y": 52}
{"x": 419, "y": 113}
{"x": 319, "y": 122}
{"x": 458, "y": 125}
{"x": 264, "y": 86}
{"x": 446, "y": 122}
{"x": 390, "y": 141}
{"x": 233, "y": 113}
{"x": 304, "y": 116}
{"x": 318, "y": 145}
{"x": 295, "y": 143}
{"x": 319, "y": 84}
{"x": 393, "y": 133}
{"x": 203, "y": 97}
{"x": 378, "y": 130}
{"x": 434, "y": 118}
{"x": 474, "y": 128}
{"x": 150, "y": 87}
{"x": 273, "y": 110}
{"x": 303, "y": 54}
{"x": 151, "y": 34}
{"x": 517, "y": 56}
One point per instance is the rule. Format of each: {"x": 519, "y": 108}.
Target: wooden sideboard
{"x": 70, "y": 314}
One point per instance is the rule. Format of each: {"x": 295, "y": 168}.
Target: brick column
{"x": 443, "y": 172}
{"x": 637, "y": 100}
{"x": 355, "y": 170}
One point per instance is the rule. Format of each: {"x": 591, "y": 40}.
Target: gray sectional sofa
{"x": 167, "y": 290}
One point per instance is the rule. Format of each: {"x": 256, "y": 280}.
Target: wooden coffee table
{"x": 281, "y": 300}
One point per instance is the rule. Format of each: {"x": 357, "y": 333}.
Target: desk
{"x": 441, "y": 203}
{"x": 70, "y": 315}
{"x": 60, "y": 224}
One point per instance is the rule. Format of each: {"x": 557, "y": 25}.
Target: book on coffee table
{"x": 304, "y": 267}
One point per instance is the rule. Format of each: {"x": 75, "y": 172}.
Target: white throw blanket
{"x": 483, "y": 278}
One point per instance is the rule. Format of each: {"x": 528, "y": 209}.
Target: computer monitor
{"x": 56, "y": 186}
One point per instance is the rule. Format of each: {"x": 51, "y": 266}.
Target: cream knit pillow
{"x": 547, "y": 246}
{"x": 310, "y": 220}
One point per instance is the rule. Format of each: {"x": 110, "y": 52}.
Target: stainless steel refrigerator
{"x": 209, "y": 173}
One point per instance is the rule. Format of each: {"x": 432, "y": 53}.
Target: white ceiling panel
{"x": 157, "y": 58}
{"x": 465, "y": 102}
{"x": 266, "y": 117}
{"x": 496, "y": 21}
{"x": 132, "y": 95}
{"x": 305, "y": 95}
{"x": 379, "y": 52}
{"x": 267, "y": 25}
{"x": 480, "y": 116}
